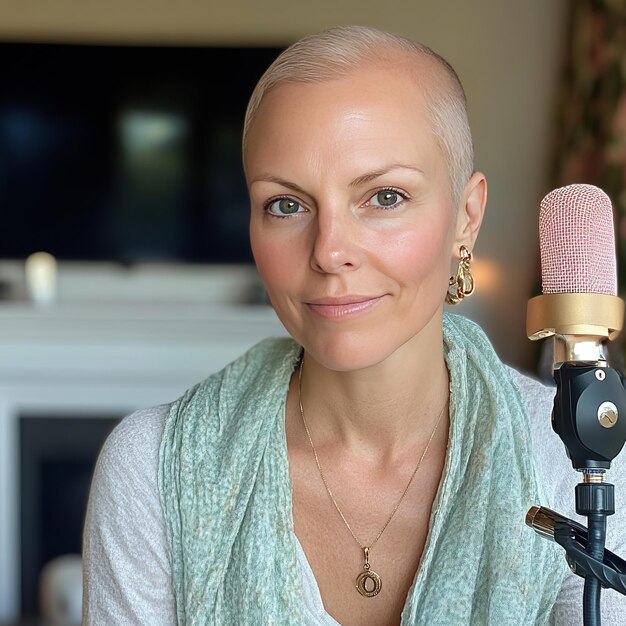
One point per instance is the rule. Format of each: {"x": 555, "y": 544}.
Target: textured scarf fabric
{"x": 226, "y": 495}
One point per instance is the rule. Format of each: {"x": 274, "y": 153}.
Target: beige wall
{"x": 505, "y": 51}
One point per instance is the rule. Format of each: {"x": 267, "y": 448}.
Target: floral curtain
{"x": 591, "y": 123}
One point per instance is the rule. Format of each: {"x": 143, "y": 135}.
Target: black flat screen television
{"x": 127, "y": 154}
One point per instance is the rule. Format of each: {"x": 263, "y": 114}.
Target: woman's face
{"x": 352, "y": 225}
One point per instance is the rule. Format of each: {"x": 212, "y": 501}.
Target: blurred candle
{"x": 41, "y": 278}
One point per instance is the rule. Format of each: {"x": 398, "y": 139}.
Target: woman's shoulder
{"x": 550, "y": 457}
{"x": 135, "y": 440}
{"x": 538, "y": 399}
{"x": 531, "y": 389}
{"x": 127, "y": 466}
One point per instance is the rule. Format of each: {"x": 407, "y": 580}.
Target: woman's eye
{"x": 386, "y": 198}
{"x": 283, "y": 207}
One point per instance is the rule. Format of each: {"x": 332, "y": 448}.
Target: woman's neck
{"x": 381, "y": 410}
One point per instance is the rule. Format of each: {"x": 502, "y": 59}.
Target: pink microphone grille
{"x": 577, "y": 241}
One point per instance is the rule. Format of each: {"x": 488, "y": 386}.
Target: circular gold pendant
{"x": 368, "y": 583}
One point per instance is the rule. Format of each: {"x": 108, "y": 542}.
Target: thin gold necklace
{"x": 368, "y": 582}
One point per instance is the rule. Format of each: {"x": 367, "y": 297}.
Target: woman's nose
{"x": 335, "y": 247}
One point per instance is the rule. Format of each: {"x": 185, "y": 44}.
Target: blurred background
{"x": 120, "y": 127}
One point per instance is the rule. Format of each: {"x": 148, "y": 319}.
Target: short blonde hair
{"x": 336, "y": 52}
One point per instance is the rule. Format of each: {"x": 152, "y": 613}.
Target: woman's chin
{"x": 344, "y": 353}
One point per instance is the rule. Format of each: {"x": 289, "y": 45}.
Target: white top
{"x": 127, "y": 569}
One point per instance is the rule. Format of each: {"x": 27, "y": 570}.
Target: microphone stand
{"x": 590, "y": 418}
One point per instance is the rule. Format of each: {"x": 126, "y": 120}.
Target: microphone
{"x": 580, "y": 308}
{"x": 578, "y": 304}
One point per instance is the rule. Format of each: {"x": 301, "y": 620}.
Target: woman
{"x": 377, "y": 469}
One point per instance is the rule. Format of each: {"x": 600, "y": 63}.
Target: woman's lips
{"x": 346, "y": 306}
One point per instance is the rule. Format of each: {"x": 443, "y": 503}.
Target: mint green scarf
{"x": 226, "y": 496}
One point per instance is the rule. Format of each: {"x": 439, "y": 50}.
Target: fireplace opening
{"x": 57, "y": 458}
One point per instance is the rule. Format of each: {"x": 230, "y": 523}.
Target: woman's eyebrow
{"x": 370, "y": 176}
{"x": 279, "y": 181}
{"x": 359, "y": 180}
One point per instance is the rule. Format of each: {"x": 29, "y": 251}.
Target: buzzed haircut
{"x": 337, "y": 52}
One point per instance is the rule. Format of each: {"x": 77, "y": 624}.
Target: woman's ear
{"x": 471, "y": 211}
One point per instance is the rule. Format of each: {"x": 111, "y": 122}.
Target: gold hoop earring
{"x": 462, "y": 284}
